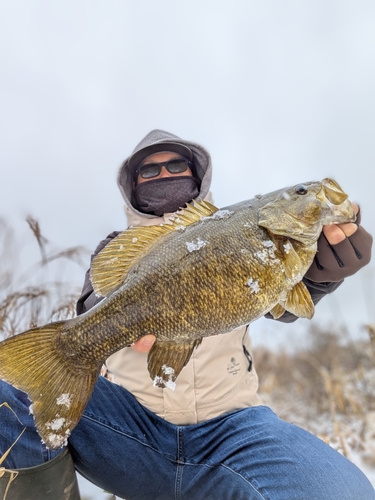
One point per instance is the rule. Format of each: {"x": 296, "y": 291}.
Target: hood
{"x": 201, "y": 161}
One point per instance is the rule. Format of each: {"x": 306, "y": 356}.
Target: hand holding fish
{"x": 343, "y": 249}
{"x": 336, "y": 233}
{"x": 144, "y": 344}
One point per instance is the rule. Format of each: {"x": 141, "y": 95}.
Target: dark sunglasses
{"x": 150, "y": 170}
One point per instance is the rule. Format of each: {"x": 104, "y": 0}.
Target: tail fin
{"x": 31, "y": 362}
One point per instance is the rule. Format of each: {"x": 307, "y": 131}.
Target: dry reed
{"x": 27, "y": 298}
{"x": 328, "y": 388}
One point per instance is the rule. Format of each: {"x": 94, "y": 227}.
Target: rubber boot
{"x": 52, "y": 480}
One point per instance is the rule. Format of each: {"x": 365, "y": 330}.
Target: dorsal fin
{"x": 113, "y": 263}
{"x": 193, "y": 213}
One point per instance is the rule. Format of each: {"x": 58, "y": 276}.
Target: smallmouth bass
{"x": 206, "y": 273}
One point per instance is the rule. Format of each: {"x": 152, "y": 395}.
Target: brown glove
{"x": 336, "y": 262}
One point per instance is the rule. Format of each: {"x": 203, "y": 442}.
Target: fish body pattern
{"x": 207, "y": 272}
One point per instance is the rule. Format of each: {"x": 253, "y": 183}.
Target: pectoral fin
{"x": 166, "y": 360}
{"x": 292, "y": 261}
{"x": 277, "y": 311}
{"x": 299, "y": 301}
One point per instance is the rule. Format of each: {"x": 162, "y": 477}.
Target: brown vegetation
{"x": 328, "y": 388}
{"x": 27, "y": 298}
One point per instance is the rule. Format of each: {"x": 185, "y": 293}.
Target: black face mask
{"x": 166, "y": 195}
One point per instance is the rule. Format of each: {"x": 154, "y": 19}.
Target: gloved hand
{"x": 343, "y": 250}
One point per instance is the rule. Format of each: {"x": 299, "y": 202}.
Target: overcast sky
{"x": 280, "y": 92}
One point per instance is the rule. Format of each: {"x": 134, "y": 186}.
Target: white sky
{"x": 279, "y": 92}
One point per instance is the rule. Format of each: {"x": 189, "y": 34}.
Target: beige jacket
{"x": 219, "y": 377}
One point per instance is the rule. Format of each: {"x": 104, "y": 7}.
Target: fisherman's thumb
{"x": 144, "y": 344}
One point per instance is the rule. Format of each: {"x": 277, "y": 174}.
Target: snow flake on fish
{"x": 220, "y": 214}
{"x": 268, "y": 244}
{"x": 167, "y": 382}
{"x": 56, "y": 424}
{"x": 110, "y": 262}
{"x": 168, "y": 370}
{"x": 57, "y": 440}
{"x": 249, "y": 224}
{"x": 286, "y": 196}
{"x": 64, "y": 399}
{"x": 262, "y": 255}
{"x": 270, "y": 247}
{"x": 193, "y": 246}
{"x": 121, "y": 247}
{"x": 31, "y": 409}
{"x": 170, "y": 384}
{"x": 253, "y": 285}
{"x": 134, "y": 240}
{"x": 287, "y": 247}
{"x": 267, "y": 256}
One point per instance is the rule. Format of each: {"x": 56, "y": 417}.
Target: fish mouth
{"x": 332, "y": 192}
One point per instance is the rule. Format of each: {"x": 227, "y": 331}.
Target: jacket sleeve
{"x": 332, "y": 264}
{"x": 88, "y": 298}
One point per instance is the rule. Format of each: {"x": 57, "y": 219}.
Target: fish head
{"x": 301, "y": 211}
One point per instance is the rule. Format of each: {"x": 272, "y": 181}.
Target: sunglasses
{"x": 150, "y": 170}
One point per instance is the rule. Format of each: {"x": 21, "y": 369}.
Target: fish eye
{"x": 300, "y": 189}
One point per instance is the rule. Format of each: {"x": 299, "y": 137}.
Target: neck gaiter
{"x": 165, "y": 195}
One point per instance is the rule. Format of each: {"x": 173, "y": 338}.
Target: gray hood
{"x": 201, "y": 160}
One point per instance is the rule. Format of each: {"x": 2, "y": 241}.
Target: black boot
{"x": 53, "y": 480}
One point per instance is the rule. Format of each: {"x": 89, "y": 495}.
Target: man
{"x": 210, "y": 438}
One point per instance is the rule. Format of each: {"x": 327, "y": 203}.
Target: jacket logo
{"x": 233, "y": 368}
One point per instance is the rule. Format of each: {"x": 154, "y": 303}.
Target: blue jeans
{"x": 248, "y": 454}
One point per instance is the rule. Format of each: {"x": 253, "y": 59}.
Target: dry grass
{"x": 27, "y": 298}
{"x": 327, "y": 388}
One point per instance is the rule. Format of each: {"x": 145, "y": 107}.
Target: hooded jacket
{"x": 220, "y": 376}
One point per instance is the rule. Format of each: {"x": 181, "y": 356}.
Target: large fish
{"x": 207, "y": 272}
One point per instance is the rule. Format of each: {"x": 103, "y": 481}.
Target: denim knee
{"x": 18, "y": 431}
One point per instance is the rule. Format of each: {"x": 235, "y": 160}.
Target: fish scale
{"x": 205, "y": 273}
